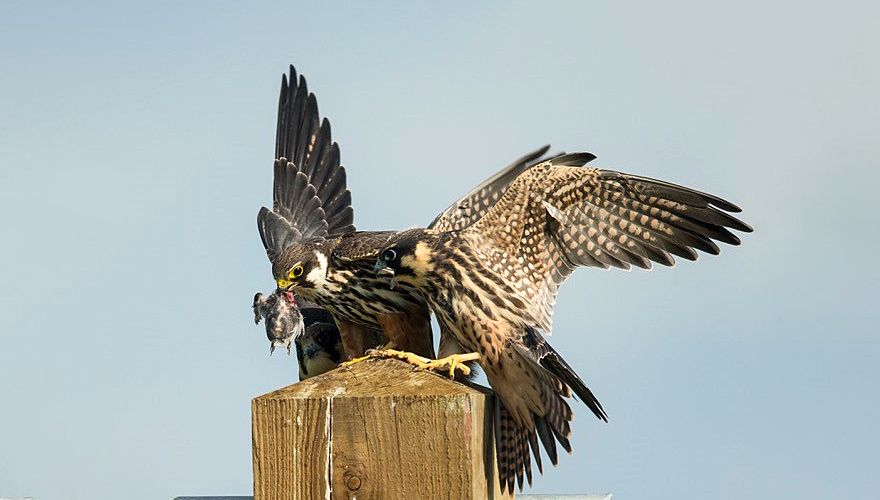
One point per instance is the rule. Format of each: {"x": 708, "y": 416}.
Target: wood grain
{"x": 290, "y": 442}
{"x": 378, "y": 429}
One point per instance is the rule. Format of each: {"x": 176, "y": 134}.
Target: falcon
{"x": 315, "y": 251}
{"x": 319, "y": 349}
{"x": 493, "y": 284}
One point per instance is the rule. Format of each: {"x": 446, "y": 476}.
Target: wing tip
{"x": 573, "y": 159}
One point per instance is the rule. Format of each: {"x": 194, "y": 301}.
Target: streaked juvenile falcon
{"x": 493, "y": 284}
{"x": 311, "y": 242}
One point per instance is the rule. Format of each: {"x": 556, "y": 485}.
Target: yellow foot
{"x": 372, "y": 353}
{"x": 450, "y": 363}
{"x": 455, "y": 361}
{"x": 383, "y": 352}
{"x": 354, "y": 360}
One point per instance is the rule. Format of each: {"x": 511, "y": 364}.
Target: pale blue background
{"x": 136, "y": 145}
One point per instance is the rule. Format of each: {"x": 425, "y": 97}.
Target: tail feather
{"x": 515, "y": 444}
{"x": 554, "y": 363}
{"x": 546, "y": 435}
{"x": 537, "y": 348}
{"x": 563, "y": 440}
{"x": 506, "y": 433}
{"x": 558, "y": 413}
{"x": 522, "y": 459}
{"x": 512, "y": 449}
{"x": 552, "y": 380}
{"x": 536, "y": 452}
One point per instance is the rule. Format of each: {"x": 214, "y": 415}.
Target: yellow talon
{"x": 354, "y": 360}
{"x": 383, "y": 352}
{"x": 411, "y": 358}
{"x": 453, "y": 362}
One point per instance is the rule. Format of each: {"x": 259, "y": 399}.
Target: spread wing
{"x": 310, "y": 197}
{"x": 472, "y": 206}
{"x": 557, "y": 216}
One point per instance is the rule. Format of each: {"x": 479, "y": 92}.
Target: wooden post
{"x": 377, "y": 429}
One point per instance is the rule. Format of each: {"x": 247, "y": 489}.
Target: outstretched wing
{"x": 472, "y": 206}
{"x": 557, "y": 216}
{"x": 310, "y": 197}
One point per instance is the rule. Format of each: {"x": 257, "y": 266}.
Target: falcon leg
{"x": 454, "y": 361}
{"x": 384, "y": 352}
{"x": 354, "y": 339}
{"x": 409, "y": 331}
{"x": 389, "y": 347}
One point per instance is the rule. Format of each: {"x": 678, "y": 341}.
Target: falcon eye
{"x": 389, "y": 255}
{"x": 296, "y": 271}
{"x": 323, "y": 339}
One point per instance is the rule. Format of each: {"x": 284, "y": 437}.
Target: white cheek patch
{"x": 318, "y": 275}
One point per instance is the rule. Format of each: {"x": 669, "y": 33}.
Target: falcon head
{"x": 301, "y": 266}
{"x": 283, "y": 319}
{"x": 319, "y": 349}
{"x": 408, "y": 256}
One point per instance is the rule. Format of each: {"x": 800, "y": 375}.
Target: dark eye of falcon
{"x": 389, "y": 255}
{"x": 323, "y": 339}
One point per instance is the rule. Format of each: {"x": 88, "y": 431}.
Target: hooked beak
{"x": 284, "y": 284}
{"x": 382, "y": 269}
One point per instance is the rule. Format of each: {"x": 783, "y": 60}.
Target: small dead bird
{"x": 284, "y": 321}
{"x": 310, "y": 328}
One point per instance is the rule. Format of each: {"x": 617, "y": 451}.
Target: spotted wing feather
{"x": 472, "y": 206}
{"x": 557, "y": 216}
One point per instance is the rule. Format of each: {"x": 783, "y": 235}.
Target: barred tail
{"x": 513, "y": 443}
{"x": 542, "y": 375}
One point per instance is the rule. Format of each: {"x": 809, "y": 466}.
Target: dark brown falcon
{"x": 311, "y": 241}
{"x": 493, "y": 284}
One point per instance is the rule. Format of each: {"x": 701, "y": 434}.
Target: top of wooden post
{"x": 376, "y": 378}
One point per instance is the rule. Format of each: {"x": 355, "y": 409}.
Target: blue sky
{"x": 136, "y": 144}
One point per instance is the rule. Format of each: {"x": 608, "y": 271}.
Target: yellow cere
{"x": 283, "y": 283}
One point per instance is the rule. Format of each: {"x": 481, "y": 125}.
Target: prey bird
{"x": 283, "y": 319}
{"x": 315, "y": 251}
{"x": 308, "y": 327}
{"x": 493, "y": 284}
